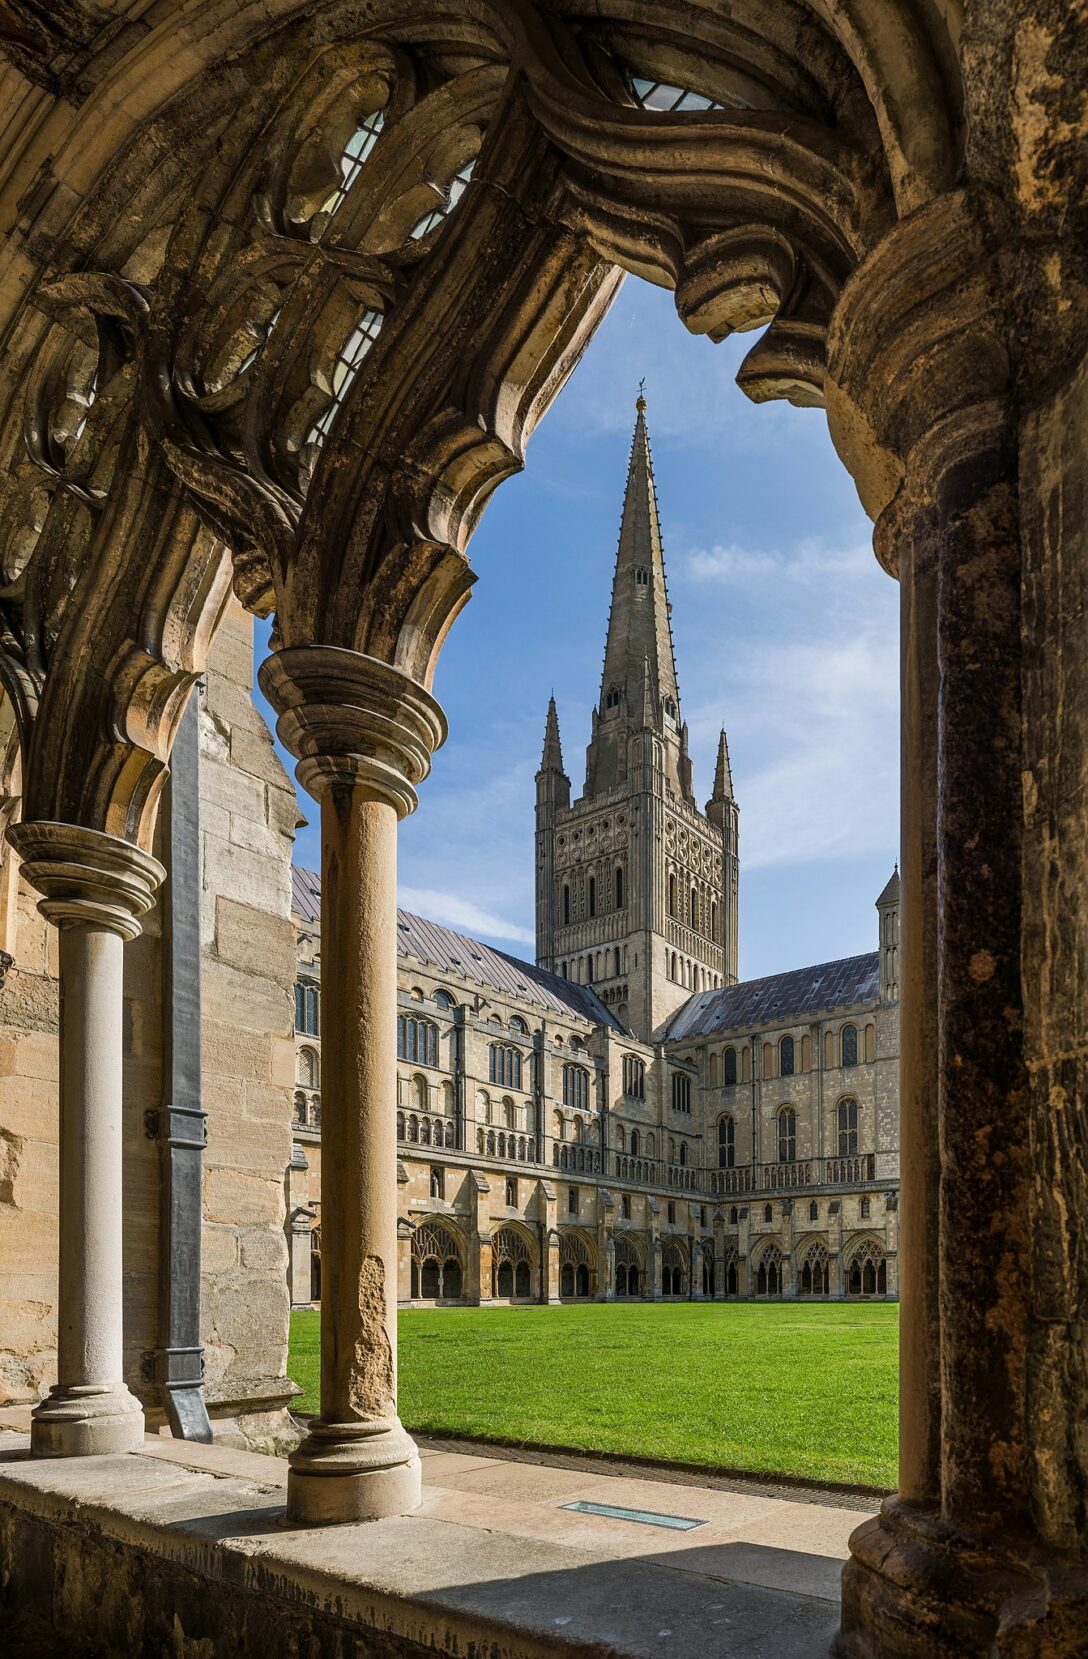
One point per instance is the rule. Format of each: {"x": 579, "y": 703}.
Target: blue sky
{"x": 785, "y": 627}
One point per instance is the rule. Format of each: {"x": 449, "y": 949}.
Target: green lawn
{"x": 776, "y": 1388}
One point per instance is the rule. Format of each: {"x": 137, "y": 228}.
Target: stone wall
{"x": 248, "y": 816}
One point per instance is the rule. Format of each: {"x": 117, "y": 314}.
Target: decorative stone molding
{"x": 352, "y": 719}
{"x": 87, "y": 878}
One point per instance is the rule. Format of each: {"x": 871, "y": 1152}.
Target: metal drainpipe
{"x": 182, "y": 1132}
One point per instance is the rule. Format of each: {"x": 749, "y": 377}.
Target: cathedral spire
{"x": 552, "y": 758}
{"x": 638, "y": 622}
{"x": 639, "y": 664}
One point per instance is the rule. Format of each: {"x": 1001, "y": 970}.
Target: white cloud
{"x": 453, "y": 910}
{"x": 809, "y": 681}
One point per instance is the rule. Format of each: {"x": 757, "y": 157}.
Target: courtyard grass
{"x": 797, "y": 1389}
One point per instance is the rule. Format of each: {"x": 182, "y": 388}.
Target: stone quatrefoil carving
{"x": 311, "y": 312}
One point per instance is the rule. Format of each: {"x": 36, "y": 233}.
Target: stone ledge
{"x": 147, "y": 1553}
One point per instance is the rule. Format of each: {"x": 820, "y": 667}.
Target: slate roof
{"x": 780, "y": 998}
{"x": 465, "y": 958}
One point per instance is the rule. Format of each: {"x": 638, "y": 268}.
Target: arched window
{"x": 848, "y": 1128}
{"x": 787, "y": 1135}
{"x": 651, "y": 1145}
{"x": 617, "y": 886}
{"x": 593, "y": 895}
{"x": 729, "y": 1066}
{"x": 734, "y": 1216}
{"x": 301, "y": 1113}
{"x": 714, "y": 921}
{"x": 849, "y": 1045}
{"x": 814, "y": 1211}
{"x": 504, "y": 1065}
{"x": 712, "y": 1070}
{"x": 746, "y": 1065}
{"x": 612, "y": 699}
{"x": 518, "y": 1024}
{"x": 443, "y": 999}
{"x": 621, "y": 1139}
{"x": 695, "y": 907}
{"x": 683, "y": 1154}
{"x": 785, "y": 1057}
{"x": 306, "y": 1009}
{"x": 870, "y": 1043}
{"x": 634, "y": 1077}
{"x": 727, "y": 1138}
{"x": 419, "y": 1093}
{"x": 417, "y": 1040}
{"x": 589, "y": 970}
{"x": 353, "y": 156}
{"x": 307, "y": 1068}
{"x": 681, "y": 1092}
{"x": 566, "y": 905}
{"x": 767, "y": 1212}
{"x": 866, "y": 1208}
{"x": 768, "y": 1060}
{"x": 672, "y": 895}
{"x": 626, "y": 1205}
{"x": 576, "y": 1087}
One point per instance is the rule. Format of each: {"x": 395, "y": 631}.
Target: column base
{"x": 87, "y": 1420}
{"x": 916, "y": 1587}
{"x": 353, "y": 1472}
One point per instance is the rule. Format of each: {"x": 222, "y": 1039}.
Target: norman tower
{"x": 636, "y": 888}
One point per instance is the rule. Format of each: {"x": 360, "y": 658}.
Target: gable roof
{"x": 780, "y": 997}
{"x": 465, "y": 958}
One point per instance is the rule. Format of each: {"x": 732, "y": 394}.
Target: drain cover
{"x": 645, "y": 1517}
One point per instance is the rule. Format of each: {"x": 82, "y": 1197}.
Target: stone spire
{"x": 552, "y": 758}
{"x": 723, "y": 773}
{"x": 639, "y": 665}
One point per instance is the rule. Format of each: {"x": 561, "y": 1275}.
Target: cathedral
{"x": 626, "y": 1118}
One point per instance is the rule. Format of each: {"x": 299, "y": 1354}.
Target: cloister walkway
{"x": 495, "y": 1560}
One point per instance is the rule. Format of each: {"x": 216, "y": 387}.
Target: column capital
{"x": 350, "y": 718}
{"x": 920, "y": 366}
{"x": 87, "y": 877}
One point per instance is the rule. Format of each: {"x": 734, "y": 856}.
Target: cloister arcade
{"x": 286, "y": 289}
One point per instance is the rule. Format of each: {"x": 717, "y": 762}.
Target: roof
{"x": 780, "y": 997}
{"x": 890, "y": 894}
{"x": 305, "y": 894}
{"x": 466, "y": 958}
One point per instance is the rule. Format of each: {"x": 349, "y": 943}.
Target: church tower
{"x": 636, "y": 888}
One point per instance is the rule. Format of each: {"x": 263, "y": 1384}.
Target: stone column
{"x": 980, "y": 1555}
{"x": 364, "y": 734}
{"x": 95, "y": 890}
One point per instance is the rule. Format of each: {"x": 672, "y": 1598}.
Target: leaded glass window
{"x": 727, "y": 1143}
{"x": 730, "y": 1065}
{"x": 348, "y": 362}
{"x": 787, "y": 1135}
{"x": 353, "y": 156}
{"x": 660, "y": 95}
{"x": 417, "y": 1040}
{"x": 785, "y": 1057}
{"x": 848, "y": 1128}
{"x": 849, "y": 1045}
{"x": 430, "y": 221}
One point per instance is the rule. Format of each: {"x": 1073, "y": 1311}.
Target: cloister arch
{"x": 630, "y": 1266}
{"x": 438, "y": 1262}
{"x": 577, "y": 1264}
{"x": 514, "y": 1264}
{"x": 865, "y": 1268}
{"x": 196, "y": 395}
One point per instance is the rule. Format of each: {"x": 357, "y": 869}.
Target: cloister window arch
{"x": 512, "y": 1264}
{"x": 575, "y": 1265}
{"x": 866, "y": 1270}
{"x": 437, "y": 1266}
{"x": 628, "y": 1267}
{"x": 353, "y": 157}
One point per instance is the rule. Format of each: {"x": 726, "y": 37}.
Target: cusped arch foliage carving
{"x": 226, "y": 348}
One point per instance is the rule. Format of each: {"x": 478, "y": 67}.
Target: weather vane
{"x": 640, "y": 401}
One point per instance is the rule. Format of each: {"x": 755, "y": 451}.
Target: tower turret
{"x": 722, "y": 810}
{"x": 552, "y": 796}
{"x": 887, "y": 909}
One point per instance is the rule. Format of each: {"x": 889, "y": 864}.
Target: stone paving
{"x": 493, "y": 1555}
